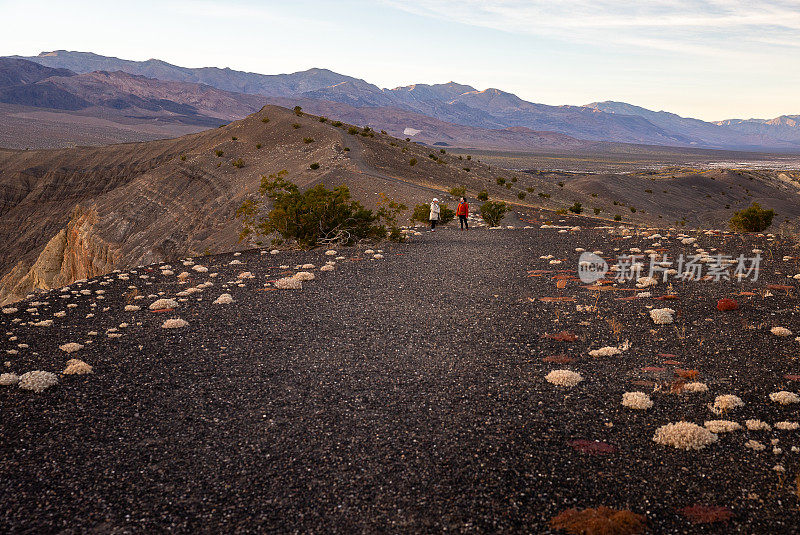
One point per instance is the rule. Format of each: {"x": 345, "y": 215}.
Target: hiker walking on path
{"x": 434, "y": 217}
{"x": 462, "y": 212}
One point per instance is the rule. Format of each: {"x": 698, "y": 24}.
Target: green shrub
{"x": 466, "y": 169}
{"x": 493, "y": 212}
{"x": 347, "y": 149}
{"x": 597, "y": 211}
{"x": 314, "y": 166}
{"x": 234, "y": 138}
{"x": 752, "y": 219}
{"x": 183, "y": 157}
{"x": 445, "y": 214}
{"x": 412, "y": 162}
{"x": 219, "y": 153}
{"x": 633, "y": 210}
{"x": 238, "y": 163}
{"x": 308, "y": 140}
{"x": 352, "y": 130}
{"x": 298, "y": 111}
{"x": 617, "y": 217}
{"x": 483, "y": 195}
{"x": 443, "y": 151}
{"x": 521, "y": 195}
{"x": 560, "y": 184}
{"x": 576, "y": 208}
{"x": 323, "y": 119}
{"x": 544, "y": 195}
{"x": 458, "y": 191}
{"x": 295, "y": 125}
{"x": 265, "y": 120}
{"x": 392, "y": 144}
{"x": 513, "y": 179}
{"x": 508, "y": 185}
{"x": 529, "y": 190}
{"x": 500, "y": 181}
{"x": 337, "y": 124}
{"x": 469, "y": 157}
{"x": 313, "y": 215}
{"x": 422, "y": 213}
{"x": 258, "y": 145}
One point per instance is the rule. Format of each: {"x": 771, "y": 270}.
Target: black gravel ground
{"x": 399, "y": 395}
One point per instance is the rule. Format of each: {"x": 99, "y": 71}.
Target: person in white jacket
{"x": 434, "y": 214}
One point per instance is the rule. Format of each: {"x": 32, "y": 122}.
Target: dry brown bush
{"x": 600, "y": 521}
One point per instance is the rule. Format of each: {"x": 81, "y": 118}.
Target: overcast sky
{"x": 712, "y": 59}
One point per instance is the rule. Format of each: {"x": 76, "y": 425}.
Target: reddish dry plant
{"x": 563, "y": 336}
{"x": 600, "y": 521}
{"x": 677, "y": 386}
{"x": 593, "y": 447}
{"x": 725, "y": 304}
{"x": 687, "y": 374}
{"x": 559, "y": 359}
{"x": 706, "y": 514}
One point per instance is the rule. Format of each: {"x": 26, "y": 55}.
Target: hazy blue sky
{"x": 711, "y": 59}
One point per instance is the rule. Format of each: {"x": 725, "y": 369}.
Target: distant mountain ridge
{"x": 463, "y": 105}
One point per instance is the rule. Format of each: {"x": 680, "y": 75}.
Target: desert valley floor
{"x": 407, "y": 392}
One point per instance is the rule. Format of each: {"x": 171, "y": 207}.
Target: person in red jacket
{"x": 462, "y": 212}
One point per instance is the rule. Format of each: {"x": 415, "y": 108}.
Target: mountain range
{"x": 448, "y": 114}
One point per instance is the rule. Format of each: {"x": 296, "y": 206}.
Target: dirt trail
{"x": 402, "y": 394}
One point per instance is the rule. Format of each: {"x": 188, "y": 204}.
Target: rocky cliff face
{"x": 75, "y": 252}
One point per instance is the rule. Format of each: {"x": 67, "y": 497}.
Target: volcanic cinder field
{"x": 463, "y": 381}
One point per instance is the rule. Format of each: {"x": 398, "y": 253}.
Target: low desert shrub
{"x": 784, "y": 397}
{"x": 458, "y": 191}
{"x": 77, "y": 367}
{"x": 412, "y": 162}
{"x": 662, "y": 316}
{"x": 608, "y": 351}
{"x": 752, "y": 219}
{"x": 725, "y": 403}
{"x": 8, "y": 379}
{"x": 565, "y": 378}
{"x": 757, "y": 425}
{"x": 224, "y": 299}
{"x": 576, "y": 208}
{"x": 636, "y": 400}
{"x": 684, "y": 436}
{"x": 219, "y": 153}
{"x": 600, "y": 521}
{"x": 483, "y": 195}
{"x": 493, "y": 212}
{"x": 721, "y": 426}
{"x": 37, "y": 381}
{"x": 289, "y": 283}
{"x": 163, "y": 304}
{"x": 315, "y": 215}
{"x": 314, "y": 166}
